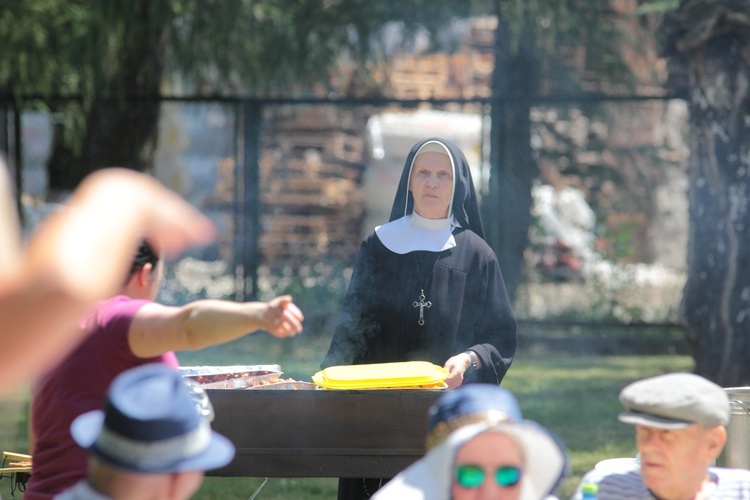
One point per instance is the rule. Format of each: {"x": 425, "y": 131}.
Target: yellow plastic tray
{"x": 406, "y": 374}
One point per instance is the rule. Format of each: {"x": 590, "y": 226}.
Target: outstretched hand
{"x": 283, "y": 318}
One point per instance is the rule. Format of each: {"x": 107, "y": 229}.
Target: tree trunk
{"x": 122, "y": 115}
{"x": 64, "y": 168}
{"x": 507, "y": 214}
{"x": 120, "y": 133}
{"x": 710, "y": 41}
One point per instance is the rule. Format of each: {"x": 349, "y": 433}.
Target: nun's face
{"x": 431, "y": 184}
{"x": 488, "y": 466}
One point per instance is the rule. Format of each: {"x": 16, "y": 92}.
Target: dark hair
{"x": 144, "y": 255}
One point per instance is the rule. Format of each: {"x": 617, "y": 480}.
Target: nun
{"x": 426, "y": 286}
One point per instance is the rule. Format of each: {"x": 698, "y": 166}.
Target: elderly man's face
{"x": 674, "y": 463}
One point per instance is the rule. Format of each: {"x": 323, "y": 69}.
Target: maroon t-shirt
{"x": 78, "y": 385}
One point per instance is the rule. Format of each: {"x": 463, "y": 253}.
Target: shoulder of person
{"x": 114, "y": 309}
{"x": 465, "y": 236}
{"x": 592, "y": 477}
{"x": 723, "y": 473}
{"x": 606, "y": 482}
{"x": 369, "y": 238}
{"x": 370, "y": 243}
{"x": 121, "y": 301}
{"x": 468, "y": 235}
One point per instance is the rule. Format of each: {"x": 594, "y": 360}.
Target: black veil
{"x": 465, "y": 205}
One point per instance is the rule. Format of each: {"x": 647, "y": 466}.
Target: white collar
{"x": 414, "y": 232}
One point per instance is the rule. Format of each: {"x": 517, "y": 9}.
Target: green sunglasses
{"x": 472, "y": 476}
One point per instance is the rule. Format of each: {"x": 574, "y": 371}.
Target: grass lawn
{"x": 574, "y": 396}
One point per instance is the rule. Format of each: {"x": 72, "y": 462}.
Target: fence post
{"x": 249, "y": 213}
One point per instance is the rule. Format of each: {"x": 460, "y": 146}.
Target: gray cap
{"x": 675, "y": 401}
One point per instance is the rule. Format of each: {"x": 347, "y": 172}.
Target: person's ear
{"x": 145, "y": 275}
{"x": 716, "y": 439}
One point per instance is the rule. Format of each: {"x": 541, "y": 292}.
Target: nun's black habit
{"x": 469, "y": 308}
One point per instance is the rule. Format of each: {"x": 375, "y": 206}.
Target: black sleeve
{"x": 496, "y": 336}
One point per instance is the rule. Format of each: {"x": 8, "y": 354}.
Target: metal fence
{"x": 294, "y": 183}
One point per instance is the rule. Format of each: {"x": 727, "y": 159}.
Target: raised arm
{"x": 10, "y": 231}
{"x": 89, "y": 245}
{"x": 79, "y": 255}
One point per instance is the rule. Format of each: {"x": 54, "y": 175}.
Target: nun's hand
{"x": 457, "y": 366}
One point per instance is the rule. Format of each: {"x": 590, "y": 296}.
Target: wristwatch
{"x": 473, "y": 357}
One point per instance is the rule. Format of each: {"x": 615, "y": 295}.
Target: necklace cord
{"x": 419, "y": 273}
{"x": 422, "y": 299}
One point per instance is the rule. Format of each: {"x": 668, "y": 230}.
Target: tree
{"x": 109, "y": 52}
{"x": 708, "y": 41}
{"x": 530, "y": 41}
{"x": 115, "y": 57}
{"x": 92, "y": 51}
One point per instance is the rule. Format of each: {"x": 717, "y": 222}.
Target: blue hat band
{"x": 153, "y": 454}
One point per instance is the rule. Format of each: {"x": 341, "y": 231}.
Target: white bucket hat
{"x": 430, "y": 477}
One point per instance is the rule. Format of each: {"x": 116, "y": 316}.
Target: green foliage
{"x": 283, "y": 47}
{"x": 622, "y": 244}
{"x": 268, "y": 47}
{"x": 72, "y": 47}
{"x": 568, "y": 33}
{"x": 94, "y": 49}
{"x": 658, "y": 6}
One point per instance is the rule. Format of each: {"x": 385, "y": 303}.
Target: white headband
{"x": 155, "y": 453}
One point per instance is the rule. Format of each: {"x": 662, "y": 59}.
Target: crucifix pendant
{"x": 421, "y": 305}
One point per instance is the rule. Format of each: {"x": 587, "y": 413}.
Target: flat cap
{"x": 675, "y": 401}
